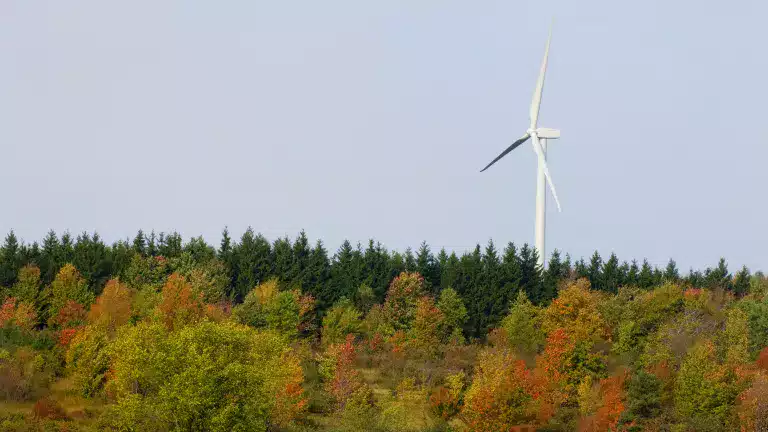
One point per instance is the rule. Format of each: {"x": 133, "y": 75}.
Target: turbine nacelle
{"x": 546, "y": 133}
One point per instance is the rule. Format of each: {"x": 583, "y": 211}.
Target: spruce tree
{"x": 511, "y": 271}
{"x": 320, "y": 273}
{"x": 10, "y": 262}
{"x": 90, "y": 259}
{"x": 741, "y": 282}
{"x": 225, "y": 248}
{"x": 301, "y": 256}
{"x": 377, "y": 269}
{"x": 695, "y": 278}
{"x": 646, "y": 278}
{"x": 468, "y": 287}
{"x": 410, "y": 260}
{"x": 671, "y": 274}
{"x": 450, "y": 272}
{"x": 580, "y": 269}
{"x": 29, "y": 254}
{"x": 172, "y": 247}
{"x": 567, "y": 267}
{"x": 594, "y": 272}
{"x": 200, "y": 251}
{"x": 633, "y": 276}
{"x": 491, "y": 294}
{"x": 428, "y": 268}
{"x": 49, "y": 264}
{"x": 396, "y": 265}
{"x": 611, "y": 276}
{"x": 343, "y": 281}
{"x": 152, "y": 244}
{"x": 282, "y": 260}
{"x": 718, "y": 277}
{"x": 120, "y": 255}
{"x": 624, "y": 274}
{"x": 66, "y": 249}
{"x": 358, "y": 269}
{"x": 253, "y": 263}
{"x": 140, "y": 244}
{"x": 530, "y": 274}
{"x": 552, "y": 277}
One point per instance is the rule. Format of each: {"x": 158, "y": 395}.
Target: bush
{"x": 205, "y": 376}
{"x": 24, "y": 374}
{"x": 48, "y": 409}
{"x": 342, "y": 319}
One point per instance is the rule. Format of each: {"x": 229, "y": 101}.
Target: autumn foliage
{"x": 180, "y": 305}
{"x": 112, "y": 308}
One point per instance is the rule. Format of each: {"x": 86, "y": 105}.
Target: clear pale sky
{"x": 357, "y": 119}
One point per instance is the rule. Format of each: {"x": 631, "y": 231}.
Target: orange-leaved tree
{"x": 180, "y": 305}
{"x": 17, "y": 313}
{"x": 503, "y": 393}
{"x": 337, "y": 369}
{"x": 68, "y": 287}
{"x": 608, "y": 414}
{"x": 113, "y": 307}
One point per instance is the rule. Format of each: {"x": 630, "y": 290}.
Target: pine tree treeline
{"x": 487, "y": 278}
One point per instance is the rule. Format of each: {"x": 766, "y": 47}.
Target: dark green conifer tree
{"x": 468, "y": 287}
{"x": 580, "y": 269}
{"x": 301, "y": 255}
{"x": 530, "y": 274}
{"x": 225, "y": 248}
{"x": 741, "y": 282}
{"x": 343, "y": 280}
{"x": 410, "y": 260}
{"x": 10, "y": 260}
{"x": 49, "y": 258}
{"x": 646, "y": 279}
{"x": 567, "y": 267}
{"x": 253, "y": 263}
{"x": 152, "y": 244}
{"x": 29, "y": 254}
{"x": 172, "y": 247}
{"x": 90, "y": 259}
{"x": 450, "y": 272}
{"x": 624, "y": 274}
{"x": 671, "y": 274}
{"x": 282, "y": 260}
{"x": 120, "y": 255}
{"x": 396, "y": 265}
{"x": 633, "y": 276}
{"x": 695, "y": 278}
{"x": 554, "y": 273}
{"x": 511, "y": 271}
{"x": 718, "y": 277}
{"x": 377, "y": 272}
{"x": 140, "y": 243}
{"x": 428, "y": 267}
{"x": 320, "y": 273}
{"x": 594, "y": 272}
{"x": 200, "y": 251}
{"x": 611, "y": 276}
{"x": 66, "y": 249}
{"x": 494, "y": 300}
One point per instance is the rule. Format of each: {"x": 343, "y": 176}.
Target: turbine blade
{"x": 543, "y": 161}
{"x": 514, "y": 145}
{"x": 536, "y": 101}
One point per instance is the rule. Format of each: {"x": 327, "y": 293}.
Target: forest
{"x": 159, "y": 333}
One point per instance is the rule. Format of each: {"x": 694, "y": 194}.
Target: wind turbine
{"x": 539, "y": 137}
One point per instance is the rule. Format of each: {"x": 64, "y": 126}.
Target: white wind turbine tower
{"x": 539, "y": 137}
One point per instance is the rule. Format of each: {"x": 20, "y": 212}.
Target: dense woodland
{"x": 156, "y": 334}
